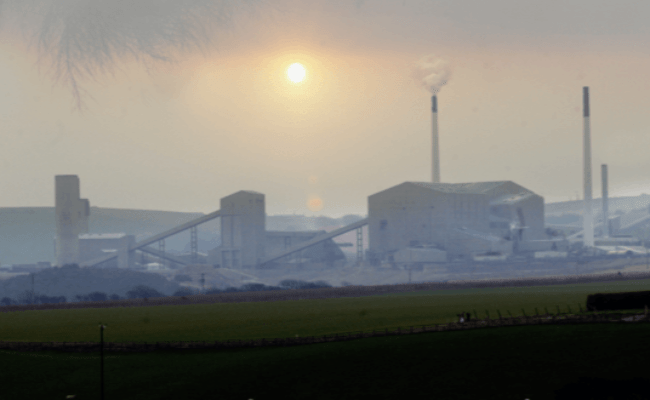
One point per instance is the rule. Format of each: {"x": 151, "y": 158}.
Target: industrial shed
{"x": 462, "y": 219}
{"x": 245, "y": 240}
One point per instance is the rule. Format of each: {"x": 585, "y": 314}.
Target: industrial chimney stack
{"x": 606, "y": 231}
{"x": 588, "y": 223}
{"x": 435, "y": 159}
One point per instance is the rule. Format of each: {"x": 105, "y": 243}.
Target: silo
{"x": 243, "y": 229}
{"x": 71, "y": 212}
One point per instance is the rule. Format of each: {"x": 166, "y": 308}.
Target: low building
{"x": 96, "y": 245}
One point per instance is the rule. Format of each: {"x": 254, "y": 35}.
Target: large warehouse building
{"x": 459, "y": 219}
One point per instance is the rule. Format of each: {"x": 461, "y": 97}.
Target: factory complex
{"x": 410, "y": 223}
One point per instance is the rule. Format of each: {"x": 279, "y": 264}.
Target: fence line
{"x": 337, "y": 337}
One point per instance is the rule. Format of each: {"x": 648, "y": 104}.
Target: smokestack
{"x": 588, "y": 223}
{"x": 603, "y": 171}
{"x": 435, "y": 159}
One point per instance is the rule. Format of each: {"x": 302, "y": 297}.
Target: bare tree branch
{"x": 85, "y": 39}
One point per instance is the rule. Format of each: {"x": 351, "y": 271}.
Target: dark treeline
{"x": 143, "y": 292}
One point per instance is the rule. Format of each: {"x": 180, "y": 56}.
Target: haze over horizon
{"x": 224, "y": 117}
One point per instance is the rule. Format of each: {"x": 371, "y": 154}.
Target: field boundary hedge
{"x": 547, "y": 319}
{"x": 333, "y": 292}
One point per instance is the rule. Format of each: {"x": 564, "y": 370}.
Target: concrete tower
{"x": 243, "y": 229}
{"x": 606, "y": 232}
{"x": 71, "y": 218}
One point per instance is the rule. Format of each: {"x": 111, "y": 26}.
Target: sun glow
{"x": 296, "y": 72}
{"x": 315, "y": 204}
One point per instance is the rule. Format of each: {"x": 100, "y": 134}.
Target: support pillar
{"x": 194, "y": 244}
{"x": 360, "y": 246}
{"x": 161, "y": 248}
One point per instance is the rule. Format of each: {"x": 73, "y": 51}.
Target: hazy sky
{"x": 179, "y": 136}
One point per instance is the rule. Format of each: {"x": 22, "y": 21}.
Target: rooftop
{"x": 102, "y": 236}
{"x": 471, "y": 188}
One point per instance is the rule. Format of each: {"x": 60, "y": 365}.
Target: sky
{"x": 219, "y": 115}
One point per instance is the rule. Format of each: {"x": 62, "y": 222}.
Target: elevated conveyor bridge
{"x": 143, "y": 244}
{"x": 315, "y": 241}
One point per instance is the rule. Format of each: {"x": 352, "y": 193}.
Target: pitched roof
{"x": 512, "y": 198}
{"x": 471, "y": 188}
{"x": 102, "y": 235}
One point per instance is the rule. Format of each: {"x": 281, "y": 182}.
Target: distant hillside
{"x": 624, "y": 204}
{"x": 27, "y": 234}
{"x": 303, "y": 223}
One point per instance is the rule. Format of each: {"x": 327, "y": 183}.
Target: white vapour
{"x": 432, "y": 73}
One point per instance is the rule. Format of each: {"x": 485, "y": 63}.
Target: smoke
{"x": 432, "y": 73}
{"x": 81, "y": 39}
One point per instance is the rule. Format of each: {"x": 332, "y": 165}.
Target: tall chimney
{"x": 588, "y": 223}
{"x": 435, "y": 159}
{"x": 603, "y": 171}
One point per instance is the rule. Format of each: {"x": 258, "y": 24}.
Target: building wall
{"x": 532, "y": 208}
{"x": 242, "y": 230}
{"x": 95, "y": 246}
{"x": 408, "y": 214}
{"x": 462, "y": 244}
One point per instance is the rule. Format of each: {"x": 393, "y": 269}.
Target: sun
{"x": 296, "y": 72}
{"x": 315, "y": 204}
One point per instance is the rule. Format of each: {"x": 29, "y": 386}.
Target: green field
{"x": 228, "y": 321}
{"x": 497, "y": 363}
{"x": 501, "y": 363}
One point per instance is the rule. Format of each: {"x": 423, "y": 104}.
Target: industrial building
{"x": 461, "y": 219}
{"x": 245, "y": 242}
{"x": 421, "y": 222}
{"x": 93, "y": 245}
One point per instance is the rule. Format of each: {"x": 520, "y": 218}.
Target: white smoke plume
{"x": 78, "y": 39}
{"x": 432, "y": 73}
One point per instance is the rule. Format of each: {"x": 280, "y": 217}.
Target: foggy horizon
{"x": 222, "y": 116}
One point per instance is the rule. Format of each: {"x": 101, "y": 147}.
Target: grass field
{"x": 512, "y": 362}
{"x": 227, "y": 321}
{"x": 502, "y": 363}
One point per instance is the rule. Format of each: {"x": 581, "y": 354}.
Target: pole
{"x": 645, "y": 244}
{"x": 32, "y": 276}
{"x": 101, "y": 358}
{"x": 588, "y": 227}
{"x": 435, "y": 157}
{"x": 605, "y": 200}
{"x": 410, "y": 262}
